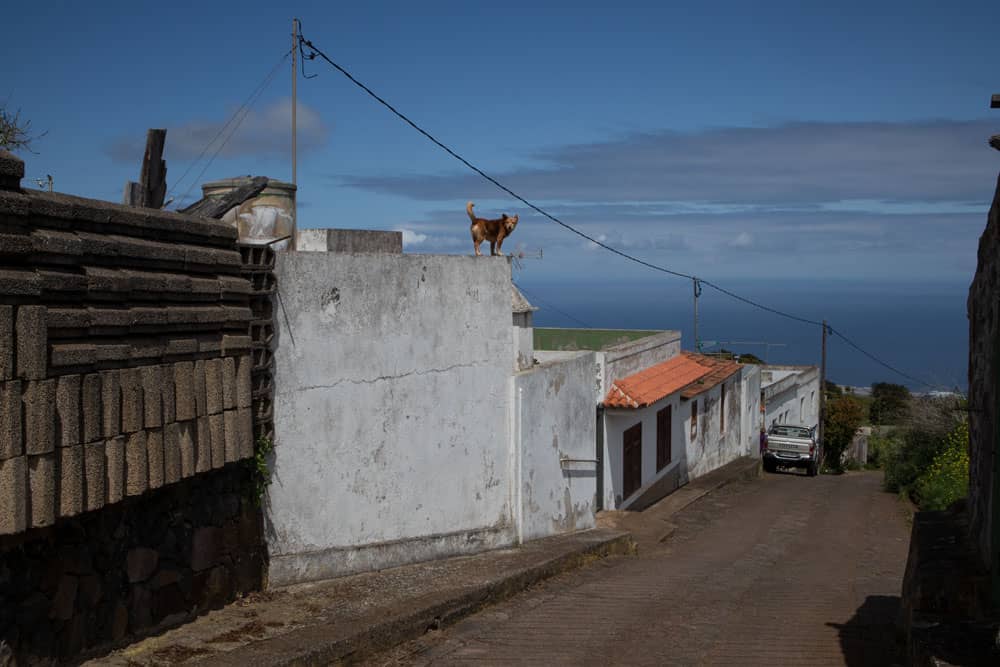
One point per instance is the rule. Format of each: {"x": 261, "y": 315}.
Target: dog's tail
{"x": 468, "y": 209}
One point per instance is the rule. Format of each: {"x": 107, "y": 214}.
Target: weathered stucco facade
{"x": 555, "y": 430}
{"x": 392, "y": 394}
{"x": 690, "y": 428}
{"x": 790, "y": 394}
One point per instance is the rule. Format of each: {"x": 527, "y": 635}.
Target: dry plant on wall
{"x": 15, "y": 132}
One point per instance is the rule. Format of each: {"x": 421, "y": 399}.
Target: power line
{"x": 876, "y": 359}
{"x": 249, "y": 102}
{"x": 318, "y": 52}
{"x": 537, "y": 209}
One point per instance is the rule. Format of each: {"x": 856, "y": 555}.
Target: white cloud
{"x": 412, "y": 238}
{"x": 741, "y": 240}
{"x": 790, "y": 164}
{"x": 259, "y": 133}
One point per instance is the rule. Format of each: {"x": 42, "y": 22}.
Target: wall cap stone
{"x": 11, "y": 171}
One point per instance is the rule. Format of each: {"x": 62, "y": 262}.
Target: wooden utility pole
{"x": 697, "y": 293}
{"x": 295, "y": 101}
{"x": 822, "y": 387}
{"x": 296, "y": 32}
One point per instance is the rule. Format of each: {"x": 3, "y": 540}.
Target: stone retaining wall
{"x": 124, "y": 354}
{"x": 127, "y": 396}
{"x": 984, "y": 355}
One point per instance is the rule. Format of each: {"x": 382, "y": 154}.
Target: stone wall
{"x": 984, "y": 354}
{"x": 125, "y": 375}
{"x": 124, "y": 354}
{"x": 97, "y": 579}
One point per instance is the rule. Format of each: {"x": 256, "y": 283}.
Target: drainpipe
{"x": 600, "y": 458}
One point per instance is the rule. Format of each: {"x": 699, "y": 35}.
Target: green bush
{"x": 947, "y": 478}
{"x": 905, "y": 456}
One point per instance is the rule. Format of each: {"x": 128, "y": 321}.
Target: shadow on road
{"x": 870, "y": 636}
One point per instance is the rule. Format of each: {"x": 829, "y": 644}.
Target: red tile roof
{"x": 690, "y": 372}
{"x": 720, "y": 371}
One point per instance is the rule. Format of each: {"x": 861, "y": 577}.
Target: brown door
{"x": 664, "y": 425}
{"x": 631, "y": 460}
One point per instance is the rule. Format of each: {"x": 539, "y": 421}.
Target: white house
{"x": 672, "y": 422}
{"x": 790, "y": 395}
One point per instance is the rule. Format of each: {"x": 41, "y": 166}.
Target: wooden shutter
{"x": 664, "y": 427}
{"x": 631, "y": 460}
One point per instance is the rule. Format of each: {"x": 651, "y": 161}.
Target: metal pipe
{"x": 520, "y": 501}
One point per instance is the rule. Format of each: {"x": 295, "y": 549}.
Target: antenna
{"x": 520, "y": 254}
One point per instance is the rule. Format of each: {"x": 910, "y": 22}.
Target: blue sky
{"x": 734, "y": 140}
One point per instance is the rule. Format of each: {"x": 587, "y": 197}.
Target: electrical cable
{"x": 876, "y": 359}
{"x": 318, "y": 52}
{"x": 249, "y": 101}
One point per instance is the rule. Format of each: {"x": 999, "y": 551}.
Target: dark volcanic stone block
{"x": 32, "y": 342}
{"x": 39, "y": 416}
{"x": 10, "y": 419}
{"x": 68, "y": 410}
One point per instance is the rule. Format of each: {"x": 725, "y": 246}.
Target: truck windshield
{"x": 791, "y": 431}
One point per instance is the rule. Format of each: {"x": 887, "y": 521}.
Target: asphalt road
{"x": 783, "y": 570}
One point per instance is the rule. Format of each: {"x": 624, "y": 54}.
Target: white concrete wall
{"x": 712, "y": 447}
{"x": 751, "y": 419}
{"x": 620, "y": 420}
{"x": 524, "y": 342}
{"x": 392, "y": 390}
{"x": 556, "y": 419}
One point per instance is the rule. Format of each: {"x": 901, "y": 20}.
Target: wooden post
{"x": 153, "y": 177}
{"x": 822, "y": 388}
{"x": 295, "y": 102}
{"x": 995, "y": 139}
{"x": 152, "y": 186}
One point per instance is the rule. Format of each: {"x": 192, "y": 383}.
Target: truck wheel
{"x": 813, "y": 470}
{"x": 769, "y": 466}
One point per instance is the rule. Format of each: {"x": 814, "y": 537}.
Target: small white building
{"x": 671, "y": 422}
{"x": 790, "y": 395}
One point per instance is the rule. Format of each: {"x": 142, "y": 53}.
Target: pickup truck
{"x": 792, "y": 446}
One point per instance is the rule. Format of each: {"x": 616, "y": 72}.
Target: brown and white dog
{"x": 494, "y": 231}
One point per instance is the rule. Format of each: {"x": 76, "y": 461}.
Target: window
{"x": 802, "y": 410}
{"x": 722, "y": 410}
{"x": 664, "y": 424}
{"x": 694, "y": 419}
{"x": 631, "y": 460}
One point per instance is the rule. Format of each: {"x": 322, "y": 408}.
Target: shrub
{"x": 947, "y": 478}
{"x": 851, "y": 463}
{"x": 843, "y": 417}
{"x": 905, "y": 456}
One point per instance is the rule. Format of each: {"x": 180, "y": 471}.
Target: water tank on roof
{"x": 266, "y": 217}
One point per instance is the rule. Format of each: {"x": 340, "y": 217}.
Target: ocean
{"x": 920, "y": 329}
